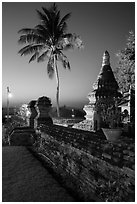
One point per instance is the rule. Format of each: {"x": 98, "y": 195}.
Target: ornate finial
{"x": 106, "y": 58}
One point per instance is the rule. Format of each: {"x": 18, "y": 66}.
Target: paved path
{"x": 24, "y": 179}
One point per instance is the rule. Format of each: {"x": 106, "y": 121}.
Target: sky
{"x": 101, "y": 25}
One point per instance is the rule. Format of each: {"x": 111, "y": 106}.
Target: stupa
{"x": 105, "y": 87}
{"x": 106, "y": 84}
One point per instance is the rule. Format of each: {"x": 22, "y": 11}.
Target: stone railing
{"x": 88, "y": 164}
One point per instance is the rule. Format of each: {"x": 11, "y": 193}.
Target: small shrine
{"x": 105, "y": 89}
{"x": 88, "y": 124}
{"x": 43, "y": 108}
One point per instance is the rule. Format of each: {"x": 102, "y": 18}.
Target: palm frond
{"x": 65, "y": 18}
{"x": 31, "y": 38}
{"x": 72, "y": 41}
{"x": 43, "y": 56}
{"x": 30, "y": 49}
{"x": 26, "y": 31}
{"x": 42, "y": 16}
{"x": 47, "y": 12}
{"x": 43, "y": 31}
{"x": 64, "y": 60}
{"x": 63, "y": 28}
{"x": 52, "y": 18}
{"x": 53, "y": 9}
{"x": 47, "y": 22}
{"x": 65, "y": 42}
{"x": 34, "y": 57}
{"x": 21, "y": 51}
{"x": 56, "y": 24}
{"x": 68, "y": 47}
{"x": 59, "y": 33}
{"x": 57, "y": 18}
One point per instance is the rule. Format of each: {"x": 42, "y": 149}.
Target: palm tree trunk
{"x": 57, "y": 79}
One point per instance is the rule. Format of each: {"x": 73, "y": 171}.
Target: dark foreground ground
{"x": 24, "y": 179}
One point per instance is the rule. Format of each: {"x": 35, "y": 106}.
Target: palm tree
{"x": 48, "y": 40}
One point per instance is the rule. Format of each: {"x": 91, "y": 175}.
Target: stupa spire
{"x": 106, "y": 58}
{"x": 106, "y": 84}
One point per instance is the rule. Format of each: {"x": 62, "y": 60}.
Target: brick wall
{"x": 90, "y": 165}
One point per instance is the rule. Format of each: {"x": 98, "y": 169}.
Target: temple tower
{"x": 105, "y": 89}
{"x": 106, "y": 84}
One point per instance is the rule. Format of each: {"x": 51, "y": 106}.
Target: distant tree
{"x": 48, "y": 40}
{"x": 125, "y": 72}
{"x": 65, "y": 112}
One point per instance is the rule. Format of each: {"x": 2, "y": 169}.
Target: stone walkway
{"x": 24, "y": 179}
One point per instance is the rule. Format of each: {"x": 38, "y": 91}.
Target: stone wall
{"x": 90, "y": 165}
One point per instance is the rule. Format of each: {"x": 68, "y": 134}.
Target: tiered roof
{"x": 106, "y": 84}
